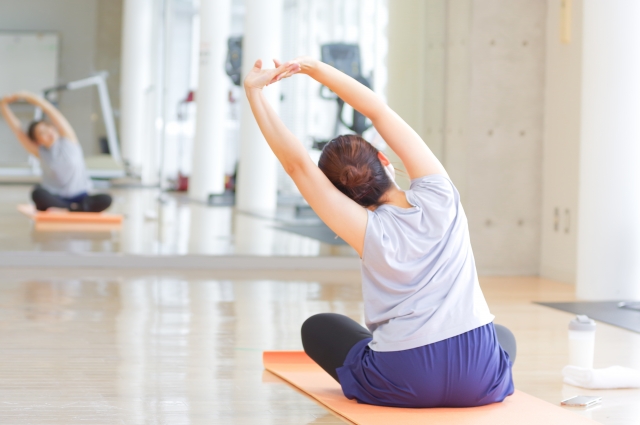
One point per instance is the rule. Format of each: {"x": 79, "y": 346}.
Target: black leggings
{"x": 88, "y": 203}
{"x": 328, "y": 337}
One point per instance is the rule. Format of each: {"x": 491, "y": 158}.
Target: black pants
{"x": 88, "y": 203}
{"x": 328, "y": 337}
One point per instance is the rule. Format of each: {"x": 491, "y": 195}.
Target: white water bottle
{"x": 582, "y": 339}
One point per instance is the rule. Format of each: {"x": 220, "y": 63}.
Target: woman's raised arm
{"x": 403, "y": 140}
{"x": 57, "y": 119}
{"x": 16, "y": 127}
{"x": 345, "y": 217}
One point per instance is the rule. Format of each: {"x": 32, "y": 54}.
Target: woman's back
{"x": 419, "y": 279}
{"x": 63, "y": 169}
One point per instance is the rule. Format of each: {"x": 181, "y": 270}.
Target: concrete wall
{"x": 457, "y": 92}
{"x": 561, "y": 149}
{"x": 468, "y": 75}
{"x": 504, "y": 156}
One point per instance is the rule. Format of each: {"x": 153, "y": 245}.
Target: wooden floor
{"x": 163, "y": 223}
{"x": 114, "y": 347}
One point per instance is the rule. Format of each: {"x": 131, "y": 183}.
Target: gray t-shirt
{"x": 63, "y": 169}
{"x": 419, "y": 278}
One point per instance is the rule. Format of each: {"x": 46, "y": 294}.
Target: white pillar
{"x": 137, "y": 31}
{"x": 609, "y": 205}
{"x": 257, "y": 174}
{"x": 210, "y": 230}
{"x": 208, "y": 164}
{"x": 253, "y": 236}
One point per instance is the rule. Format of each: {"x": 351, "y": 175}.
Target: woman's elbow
{"x": 291, "y": 168}
{"x": 297, "y": 168}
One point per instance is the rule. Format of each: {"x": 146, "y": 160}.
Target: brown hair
{"x": 31, "y": 130}
{"x": 352, "y": 165}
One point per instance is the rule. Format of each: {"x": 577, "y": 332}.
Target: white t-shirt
{"x": 419, "y": 278}
{"x": 63, "y": 169}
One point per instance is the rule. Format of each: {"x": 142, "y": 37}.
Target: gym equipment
{"x": 297, "y": 369}
{"x": 224, "y": 199}
{"x": 103, "y": 166}
{"x": 233, "y": 65}
{"x": 63, "y": 220}
{"x": 345, "y": 58}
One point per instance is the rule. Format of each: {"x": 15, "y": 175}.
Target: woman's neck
{"x": 395, "y": 196}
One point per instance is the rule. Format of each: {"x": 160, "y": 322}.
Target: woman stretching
{"x": 65, "y": 183}
{"x": 431, "y": 340}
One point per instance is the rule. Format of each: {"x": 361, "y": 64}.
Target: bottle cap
{"x": 582, "y": 323}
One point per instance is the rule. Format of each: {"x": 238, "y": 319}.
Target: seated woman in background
{"x": 65, "y": 183}
{"x": 431, "y": 341}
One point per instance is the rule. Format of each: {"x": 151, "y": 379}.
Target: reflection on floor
{"x": 169, "y": 224}
{"x": 149, "y": 349}
{"x": 135, "y": 347}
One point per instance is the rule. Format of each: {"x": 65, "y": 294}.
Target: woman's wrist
{"x": 252, "y": 92}
{"x": 309, "y": 66}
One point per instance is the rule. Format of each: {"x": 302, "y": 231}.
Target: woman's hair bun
{"x": 353, "y": 166}
{"x": 353, "y": 176}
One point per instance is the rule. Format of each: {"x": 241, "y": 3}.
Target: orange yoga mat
{"x": 299, "y": 370}
{"x": 58, "y": 219}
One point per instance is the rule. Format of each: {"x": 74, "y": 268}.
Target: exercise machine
{"x": 233, "y": 64}
{"x": 108, "y": 166}
{"x": 345, "y": 58}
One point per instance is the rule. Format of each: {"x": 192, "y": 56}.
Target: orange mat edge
{"x": 286, "y": 357}
{"x": 68, "y": 217}
{"x": 280, "y": 356}
{"x": 325, "y": 405}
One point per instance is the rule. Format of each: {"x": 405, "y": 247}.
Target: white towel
{"x": 601, "y": 379}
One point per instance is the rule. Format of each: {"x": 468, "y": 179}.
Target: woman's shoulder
{"x": 439, "y": 182}
{"x": 67, "y": 141}
{"x": 69, "y": 145}
{"x": 433, "y": 191}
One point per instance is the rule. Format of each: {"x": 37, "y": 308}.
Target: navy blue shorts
{"x": 467, "y": 370}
